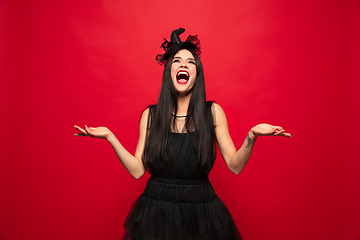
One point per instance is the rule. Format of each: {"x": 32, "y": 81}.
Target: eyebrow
{"x": 187, "y": 59}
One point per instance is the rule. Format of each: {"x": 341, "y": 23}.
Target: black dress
{"x": 178, "y": 205}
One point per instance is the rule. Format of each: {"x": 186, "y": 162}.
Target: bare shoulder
{"x": 144, "y": 118}
{"x": 145, "y": 113}
{"x": 216, "y": 108}
{"x": 218, "y": 114}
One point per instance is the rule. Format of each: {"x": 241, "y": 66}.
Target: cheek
{"x": 173, "y": 77}
{"x": 194, "y": 73}
{"x": 173, "y": 71}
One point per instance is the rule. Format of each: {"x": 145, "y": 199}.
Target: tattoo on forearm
{"x": 248, "y": 141}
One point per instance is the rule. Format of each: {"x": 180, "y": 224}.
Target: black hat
{"x": 175, "y": 44}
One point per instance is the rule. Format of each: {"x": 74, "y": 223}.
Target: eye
{"x": 192, "y": 62}
{"x": 176, "y": 60}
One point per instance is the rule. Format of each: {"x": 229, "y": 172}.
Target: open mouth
{"x": 182, "y": 77}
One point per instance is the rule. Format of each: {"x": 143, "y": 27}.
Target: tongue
{"x": 183, "y": 81}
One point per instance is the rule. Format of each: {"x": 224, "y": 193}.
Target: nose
{"x": 184, "y": 65}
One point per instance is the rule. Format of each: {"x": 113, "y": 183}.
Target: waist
{"x": 180, "y": 181}
{"x": 180, "y": 190}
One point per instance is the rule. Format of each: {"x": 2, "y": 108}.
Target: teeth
{"x": 179, "y": 73}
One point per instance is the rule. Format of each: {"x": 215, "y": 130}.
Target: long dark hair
{"x": 199, "y": 115}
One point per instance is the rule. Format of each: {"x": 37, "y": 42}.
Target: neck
{"x": 183, "y": 104}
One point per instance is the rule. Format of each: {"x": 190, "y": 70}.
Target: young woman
{"x": 177, "y": 145}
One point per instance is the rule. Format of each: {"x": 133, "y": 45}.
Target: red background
{"x": 289, "y": 63}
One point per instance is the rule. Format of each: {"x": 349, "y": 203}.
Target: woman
{"x": 177, "y": 146}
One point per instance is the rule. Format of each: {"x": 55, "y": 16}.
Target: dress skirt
{"x": 172, "y": 209}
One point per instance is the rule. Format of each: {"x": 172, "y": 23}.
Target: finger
{"x": 278, "y": 133}
{"x": 80, "y": 129}
{"x": 80, "y": 135}
{"x": 77, "y": 127}
{"x": 278, "y": 128}
{"x": 89, "y": 132}
{"x": 286, "y": 135}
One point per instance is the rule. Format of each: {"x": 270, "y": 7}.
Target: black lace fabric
{"x": 192, "y": 42}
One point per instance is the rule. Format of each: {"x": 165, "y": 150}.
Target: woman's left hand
{"x": 269, "y": 130}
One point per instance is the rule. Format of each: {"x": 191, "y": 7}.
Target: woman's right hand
{"x": 99, "y": 132}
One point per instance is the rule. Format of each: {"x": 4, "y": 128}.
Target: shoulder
{"x": 148, "y": 111}
{"x": 144, "y": 116}
{"x": 218, "y": 114}
{"x": 216, "y": 109}
{"x": 145, "y": 113}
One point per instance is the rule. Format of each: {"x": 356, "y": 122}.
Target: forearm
{"x": 242, "y": 156}
{"x": 132, "y": 164}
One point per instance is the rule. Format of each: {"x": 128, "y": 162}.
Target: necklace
{"x": 178, "y": 116}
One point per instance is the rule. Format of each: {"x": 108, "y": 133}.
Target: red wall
{"x": 289, "y": 63}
